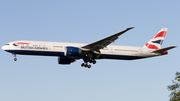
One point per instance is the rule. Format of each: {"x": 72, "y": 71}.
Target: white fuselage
{"x": 59, "y": 49}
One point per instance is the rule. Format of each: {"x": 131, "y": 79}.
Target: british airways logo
{"x": 31, "y": 47}
{"x": 26, "y": 46}
{"x": 19, "y": 43}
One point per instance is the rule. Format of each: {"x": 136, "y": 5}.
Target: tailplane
{"x": 157, "y": 40}
{"x": 163, "y": 51}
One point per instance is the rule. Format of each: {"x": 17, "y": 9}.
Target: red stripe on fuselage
{"x": 160, "y": 34}
{"x": 151, "y": 46}
{"x": 20, "y": 43}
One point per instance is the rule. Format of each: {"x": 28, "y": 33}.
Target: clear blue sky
{"x": 37, "y": 78}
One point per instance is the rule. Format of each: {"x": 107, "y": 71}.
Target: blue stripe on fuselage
{"x": 50, "y": 53}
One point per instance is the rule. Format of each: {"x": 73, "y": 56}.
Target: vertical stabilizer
{"x": 157, "y": 40}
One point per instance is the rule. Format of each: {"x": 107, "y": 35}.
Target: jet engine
{"x": 73, "y": 51}
{"x": 64, "y": 60}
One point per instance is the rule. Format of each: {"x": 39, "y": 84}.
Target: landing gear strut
{"x": 15, "y": 59}
{"x": 85, "y": 64}
{"x": 90, "y": 57}
{"x": 93, "y": 61}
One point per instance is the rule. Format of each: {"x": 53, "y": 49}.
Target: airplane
{"x": 68, "y": 53}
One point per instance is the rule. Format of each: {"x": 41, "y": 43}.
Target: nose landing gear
{"x": 15, "y": 59}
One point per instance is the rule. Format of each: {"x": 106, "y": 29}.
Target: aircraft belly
{"x": 33, "y": 52}
{"x": 120, "y": 57}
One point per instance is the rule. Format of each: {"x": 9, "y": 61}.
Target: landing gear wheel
{"x": 82, "y": 64}
{"x": 86, "y": 65}
{"x": 88, "y": 59}
{"x": 89, "y": 66}
{"x": 94, "y": 62}
{"x": 15, "y": 59}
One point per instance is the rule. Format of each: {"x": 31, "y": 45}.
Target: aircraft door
{"x": 111, "y": 49}
{"x": 140, "y": 52}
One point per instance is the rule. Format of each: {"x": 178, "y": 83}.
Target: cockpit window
{"x": 7, "y": 44}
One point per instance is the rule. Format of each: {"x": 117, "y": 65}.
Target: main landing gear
{"x": 89, "y": 58}
{"x": 86, "y": 63}
{"x": 15, "y": 59}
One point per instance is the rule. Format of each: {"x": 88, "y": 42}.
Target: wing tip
{"x": 130, "y": 28}
{"x": 173, "y": 46}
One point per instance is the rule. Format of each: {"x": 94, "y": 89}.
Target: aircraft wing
{"x": 104, "y": 42}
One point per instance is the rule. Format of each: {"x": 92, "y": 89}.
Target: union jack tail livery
{"x": 157, "y": 40}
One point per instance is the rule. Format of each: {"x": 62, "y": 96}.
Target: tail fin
{"x": 157, "y": 40}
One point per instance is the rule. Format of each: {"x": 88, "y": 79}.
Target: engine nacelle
{"x": 72, "y": 51}
{"x": 64, "y": 60}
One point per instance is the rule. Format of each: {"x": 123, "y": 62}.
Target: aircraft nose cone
{"x": 3, "y": 48}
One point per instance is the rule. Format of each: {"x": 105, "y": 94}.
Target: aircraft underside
{"x": 86, "y": 57}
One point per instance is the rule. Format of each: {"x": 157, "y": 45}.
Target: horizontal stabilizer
{"x": 163, "y": 49}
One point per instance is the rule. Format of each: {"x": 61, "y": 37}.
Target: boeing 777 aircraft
{"x": 70, "y": 52}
